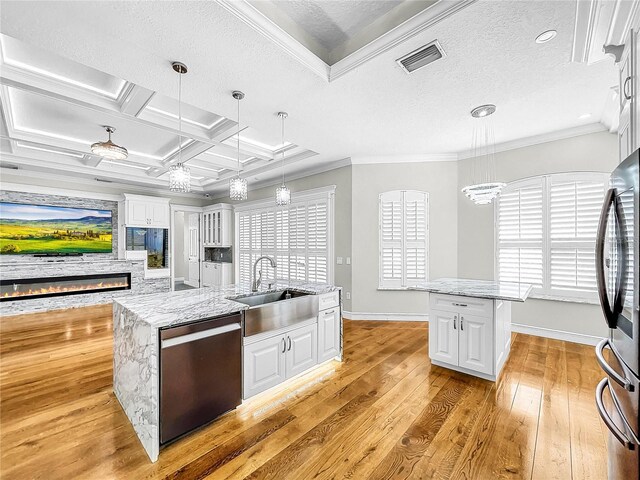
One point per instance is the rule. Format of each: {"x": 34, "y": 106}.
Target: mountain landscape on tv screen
{"x": 31, "y": 235}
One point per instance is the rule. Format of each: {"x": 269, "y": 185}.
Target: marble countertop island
{"x": 508, "y": 291}
{"x": 136, "y": 324}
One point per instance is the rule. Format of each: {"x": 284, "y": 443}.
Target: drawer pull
{"x": 460, "y": 304}
{"x": 330, "y": 312}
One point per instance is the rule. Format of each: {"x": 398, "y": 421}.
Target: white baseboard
{"x": 402, "y": 317}
{"x": 555, "y": 334}
{"x": 178, "y": 279}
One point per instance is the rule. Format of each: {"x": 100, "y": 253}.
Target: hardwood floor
{"x": 386, "y": 412}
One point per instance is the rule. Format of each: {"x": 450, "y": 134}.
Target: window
{"x": 403, "y": 238}
{"x": 298, "y": 237}
{"x": 546, "y": 232}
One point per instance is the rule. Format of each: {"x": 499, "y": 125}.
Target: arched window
{"x": 404, "y": 238}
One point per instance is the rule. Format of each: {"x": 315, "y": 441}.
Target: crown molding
{"x": 543, "y": 138}
{"x": 418, "y": 158}
{"x": 420, "y": 22}
{"x": 263, "y": 25}
{"x": 403, "y": 32}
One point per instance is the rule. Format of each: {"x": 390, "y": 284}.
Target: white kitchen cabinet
{"x": 269, "y": 361}
{"x": 208, "y": 277}
{"x": 470, "y": 335}
{"x": 328, "y": 334}
{"x": 264, "y": 365}
{"x": 215, "y": 274}
{"x": 216, "y": 222}
{"x": 143, "y": 211}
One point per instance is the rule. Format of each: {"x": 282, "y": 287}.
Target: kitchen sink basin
{"x": 275, "y": 310}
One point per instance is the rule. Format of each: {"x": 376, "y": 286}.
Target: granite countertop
{"x": 184, "y": 306}
{"x": 509, "y": 291}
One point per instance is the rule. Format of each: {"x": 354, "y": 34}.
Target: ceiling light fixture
{"x": 179, "y": 174}
{"x": 283, "y": 194}
{"x": 238, "y": 186}
{"x": 483, "y": 188}
{"x": 109, "y": 149}
{"x": 546, "y": 36}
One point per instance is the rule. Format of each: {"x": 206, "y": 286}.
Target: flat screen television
{"x": 27, "y": 229}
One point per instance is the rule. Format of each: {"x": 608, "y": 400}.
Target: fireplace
{"x": 28, "y": 288}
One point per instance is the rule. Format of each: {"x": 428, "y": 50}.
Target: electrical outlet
{"x": 348, "y": 295}
{"x": 339, "y": 260}
{"x": 348, "y": 260}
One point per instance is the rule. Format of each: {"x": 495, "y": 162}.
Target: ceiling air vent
{"x": 421, "y": 57}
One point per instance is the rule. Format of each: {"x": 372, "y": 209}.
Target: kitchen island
{"x": 142, "y": 327}
{"x": 470, "y": 323}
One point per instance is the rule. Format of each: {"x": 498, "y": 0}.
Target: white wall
{"x": 440, "y": 180}
{"x": 476, "y": 254}
{"x": 181, "y": 267}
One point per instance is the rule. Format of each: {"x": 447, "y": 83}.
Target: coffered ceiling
{"x": 71, "y": 67}
{"x": 53, "y": 109}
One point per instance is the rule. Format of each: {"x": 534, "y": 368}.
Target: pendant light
{"x": 108, "y": 149}
{"x": 283, "y": 194}
{"x": 179, "y": 174}
{"x": 483, "y": 187}
{"x": 238, "y": 186}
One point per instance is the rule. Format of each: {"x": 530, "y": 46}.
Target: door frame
{"x": 185, "y": 209}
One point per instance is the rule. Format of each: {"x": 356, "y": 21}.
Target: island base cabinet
{"x": 328, "y": 334}
{"x": 271, "y": 361}
{"x": 476, "y": 344}
{"x": 264, "y": 365}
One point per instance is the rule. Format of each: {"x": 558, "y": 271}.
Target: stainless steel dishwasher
{"x": 200, "y": 373}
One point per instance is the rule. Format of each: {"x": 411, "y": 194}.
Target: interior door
{"x": 194, "y": 250}
{"x": 476, "y": 343}
{"x": 443, "y": 337}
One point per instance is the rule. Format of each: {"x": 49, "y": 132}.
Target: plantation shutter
{"x": 403, "y": 238}
{"x": 574, "y": 212}
{"x": 520, "y": 233}
{"x": 546, "y": 231}
{"x": 297, "y": 237}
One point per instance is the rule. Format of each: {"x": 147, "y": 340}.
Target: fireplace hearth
{"x": 29, "y": 288}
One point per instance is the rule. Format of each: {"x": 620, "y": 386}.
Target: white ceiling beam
{"x": 136, "y": 99}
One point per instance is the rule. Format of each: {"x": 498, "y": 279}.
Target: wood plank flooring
{"x": 385, "y": 413}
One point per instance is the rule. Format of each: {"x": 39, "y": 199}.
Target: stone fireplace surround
{"x": 28, "y": 266}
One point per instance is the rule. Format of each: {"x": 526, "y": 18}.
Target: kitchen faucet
{"x": 256, "y": 281}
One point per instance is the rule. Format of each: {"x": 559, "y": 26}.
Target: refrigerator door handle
{"x": 630, "y": 444}
{"x": 609, "y": 315}
{"x": 623, "y": 382}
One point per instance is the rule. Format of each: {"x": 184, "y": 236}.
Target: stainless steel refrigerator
{"x": 617, "y": 255}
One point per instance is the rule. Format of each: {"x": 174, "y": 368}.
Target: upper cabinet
{"x": 628, "y": 134}
{"x": 216, "y": 225}
{"x": 142, "y": 211}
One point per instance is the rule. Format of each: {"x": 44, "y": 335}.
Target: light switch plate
{"x": 348, "y": 260}
{"x": 339, "y": 260}
{"x": 348, "y": 295}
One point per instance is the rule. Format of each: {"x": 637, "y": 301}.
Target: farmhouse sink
{"x": 274, "y": 310}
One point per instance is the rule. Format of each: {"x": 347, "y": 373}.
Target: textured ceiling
{"x": 376, "y": 109}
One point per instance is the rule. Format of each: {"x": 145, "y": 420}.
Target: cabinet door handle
{"x": 330, "y": 312}
{"x": 460, "y": 304}
{"x": 461, "y": 323}
{"x": 289, "y": 343}
{"x": 624, "y": 88}
{"x": 284, "y": 345}
{"x": 455, "y": 318}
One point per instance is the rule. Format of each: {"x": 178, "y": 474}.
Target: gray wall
{"x": 440, "y": 180}
{"x": 341, "y": 178}
{"x": 596, "y": 152}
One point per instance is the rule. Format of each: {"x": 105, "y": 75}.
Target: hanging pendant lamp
{"x": 179, "y": 174}
{"x": 483, "y": 188}
{"x": 283, "y": 194}
{"x": 108, "y": 149}
{"x": 238, "y": 186}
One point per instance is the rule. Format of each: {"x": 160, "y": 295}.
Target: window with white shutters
{"x": 403, "y": 238}
{"x": 546, "y": 231}
{"x": 296, "y": 236}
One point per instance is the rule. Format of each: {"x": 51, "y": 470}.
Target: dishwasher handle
{"x": 192, "y": 337}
